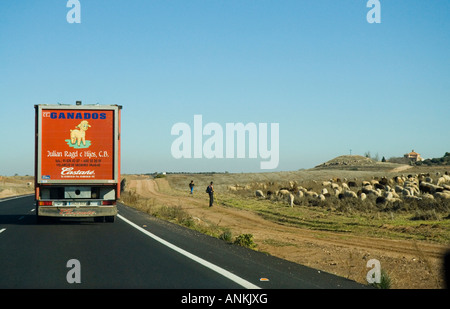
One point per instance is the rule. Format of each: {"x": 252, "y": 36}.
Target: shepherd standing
{"x": 191, "y": 186}
{"x": 210, "y": 191}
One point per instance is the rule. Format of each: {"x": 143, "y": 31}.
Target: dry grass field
{"x": 17, "y": 185}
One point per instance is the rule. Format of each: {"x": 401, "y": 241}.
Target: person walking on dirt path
{"x": 191, "y": 186}
{"x": 210, "y": 191}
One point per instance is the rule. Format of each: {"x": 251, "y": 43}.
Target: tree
{"x": 376, "y": 157}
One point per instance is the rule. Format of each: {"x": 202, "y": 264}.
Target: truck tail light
{"x": 105, "y": 203}
{"x": 45, "y": 203}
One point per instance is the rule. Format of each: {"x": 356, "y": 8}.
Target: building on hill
{"x": 413, "y": 156}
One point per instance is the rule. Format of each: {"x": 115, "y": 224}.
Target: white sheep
{"x": 350, "y": 194}
{"x": 442, "y": 195}
{"x": 335, "y": 186}
{"x": 284, "y": 192}
{"x": 442, "y": 180}
{"x": 291, "y": 200}
{"x": 345, "y": 186}
{"x": 259, "y": 193}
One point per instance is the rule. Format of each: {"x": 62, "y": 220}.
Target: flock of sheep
{"x": 381, "y": 190}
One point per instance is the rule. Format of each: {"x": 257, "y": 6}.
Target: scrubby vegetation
{"x": 445, "y": 160}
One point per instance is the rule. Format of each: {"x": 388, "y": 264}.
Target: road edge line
{"x": 244, "y": 283}
{"x": 10, "y": 198}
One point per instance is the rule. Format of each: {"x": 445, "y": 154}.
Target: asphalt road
{"x": 137, "y": 251}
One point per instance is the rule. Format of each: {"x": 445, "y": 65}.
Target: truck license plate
{"x": 76, "y": 203}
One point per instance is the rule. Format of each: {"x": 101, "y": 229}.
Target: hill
{"x": 356, "y": 162}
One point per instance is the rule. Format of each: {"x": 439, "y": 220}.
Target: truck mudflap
{"x": 96, "y": 211}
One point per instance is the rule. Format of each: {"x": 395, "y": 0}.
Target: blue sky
{"x": 332, "y": 81}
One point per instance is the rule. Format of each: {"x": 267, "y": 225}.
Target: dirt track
{"x": 410, "y": 264}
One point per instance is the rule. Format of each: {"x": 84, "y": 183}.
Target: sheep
{"x": 442, "y": 180}
{"x": 311, "y": 194}
{"x": 373, "y": 192}
{"x": 337, "y": 192}
{"x": 398, "y": 189}
{"x": 259, "y": 193}
{"x": 363, "y": 196}
{"x": 442, "y": 195}
{"x": 291, "y": 200}
{"x": 293, "y": 184}
{"x": 335, "y": 186}
{"x": 428, "y": 196}
{"x": 412, "y": 198}
{"x": 352, "y": 184}
{"x": 302, "y": 189}
{"x": 399, "y": 180}
{"x": 388, "y": 195}
{"x": 379, "y": 186}
{"x": 237, "y": 187}
{"x": 283, "y": 192}
{"x": 286, "y": 194}
{"x": 269, "y": 194}
{"x": 406, "y": 192}
{"x": 79, "y": 135}
{"x": 350, "y": 194}
{"x": 367, "y": 189}
{"x": 394, "y": 194}
{"x": 426, "y": 187}
{"x": 383, "y": 181}
{"x": 374, "y": 182}
{"x": 381, "y": 200}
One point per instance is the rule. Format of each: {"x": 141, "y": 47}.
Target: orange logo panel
{"x": 77, "y": 145}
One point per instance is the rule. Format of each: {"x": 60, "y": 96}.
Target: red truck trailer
{"x": 77, "y": 161}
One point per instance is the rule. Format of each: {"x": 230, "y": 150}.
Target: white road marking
{"x": 14, "y": 198}
{"x": 2, "y": 230}
{"x": 244, "y": 283}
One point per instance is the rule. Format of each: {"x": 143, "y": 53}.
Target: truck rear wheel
{"x": 110, "y": 219}
{"x": 99, "y": 219}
